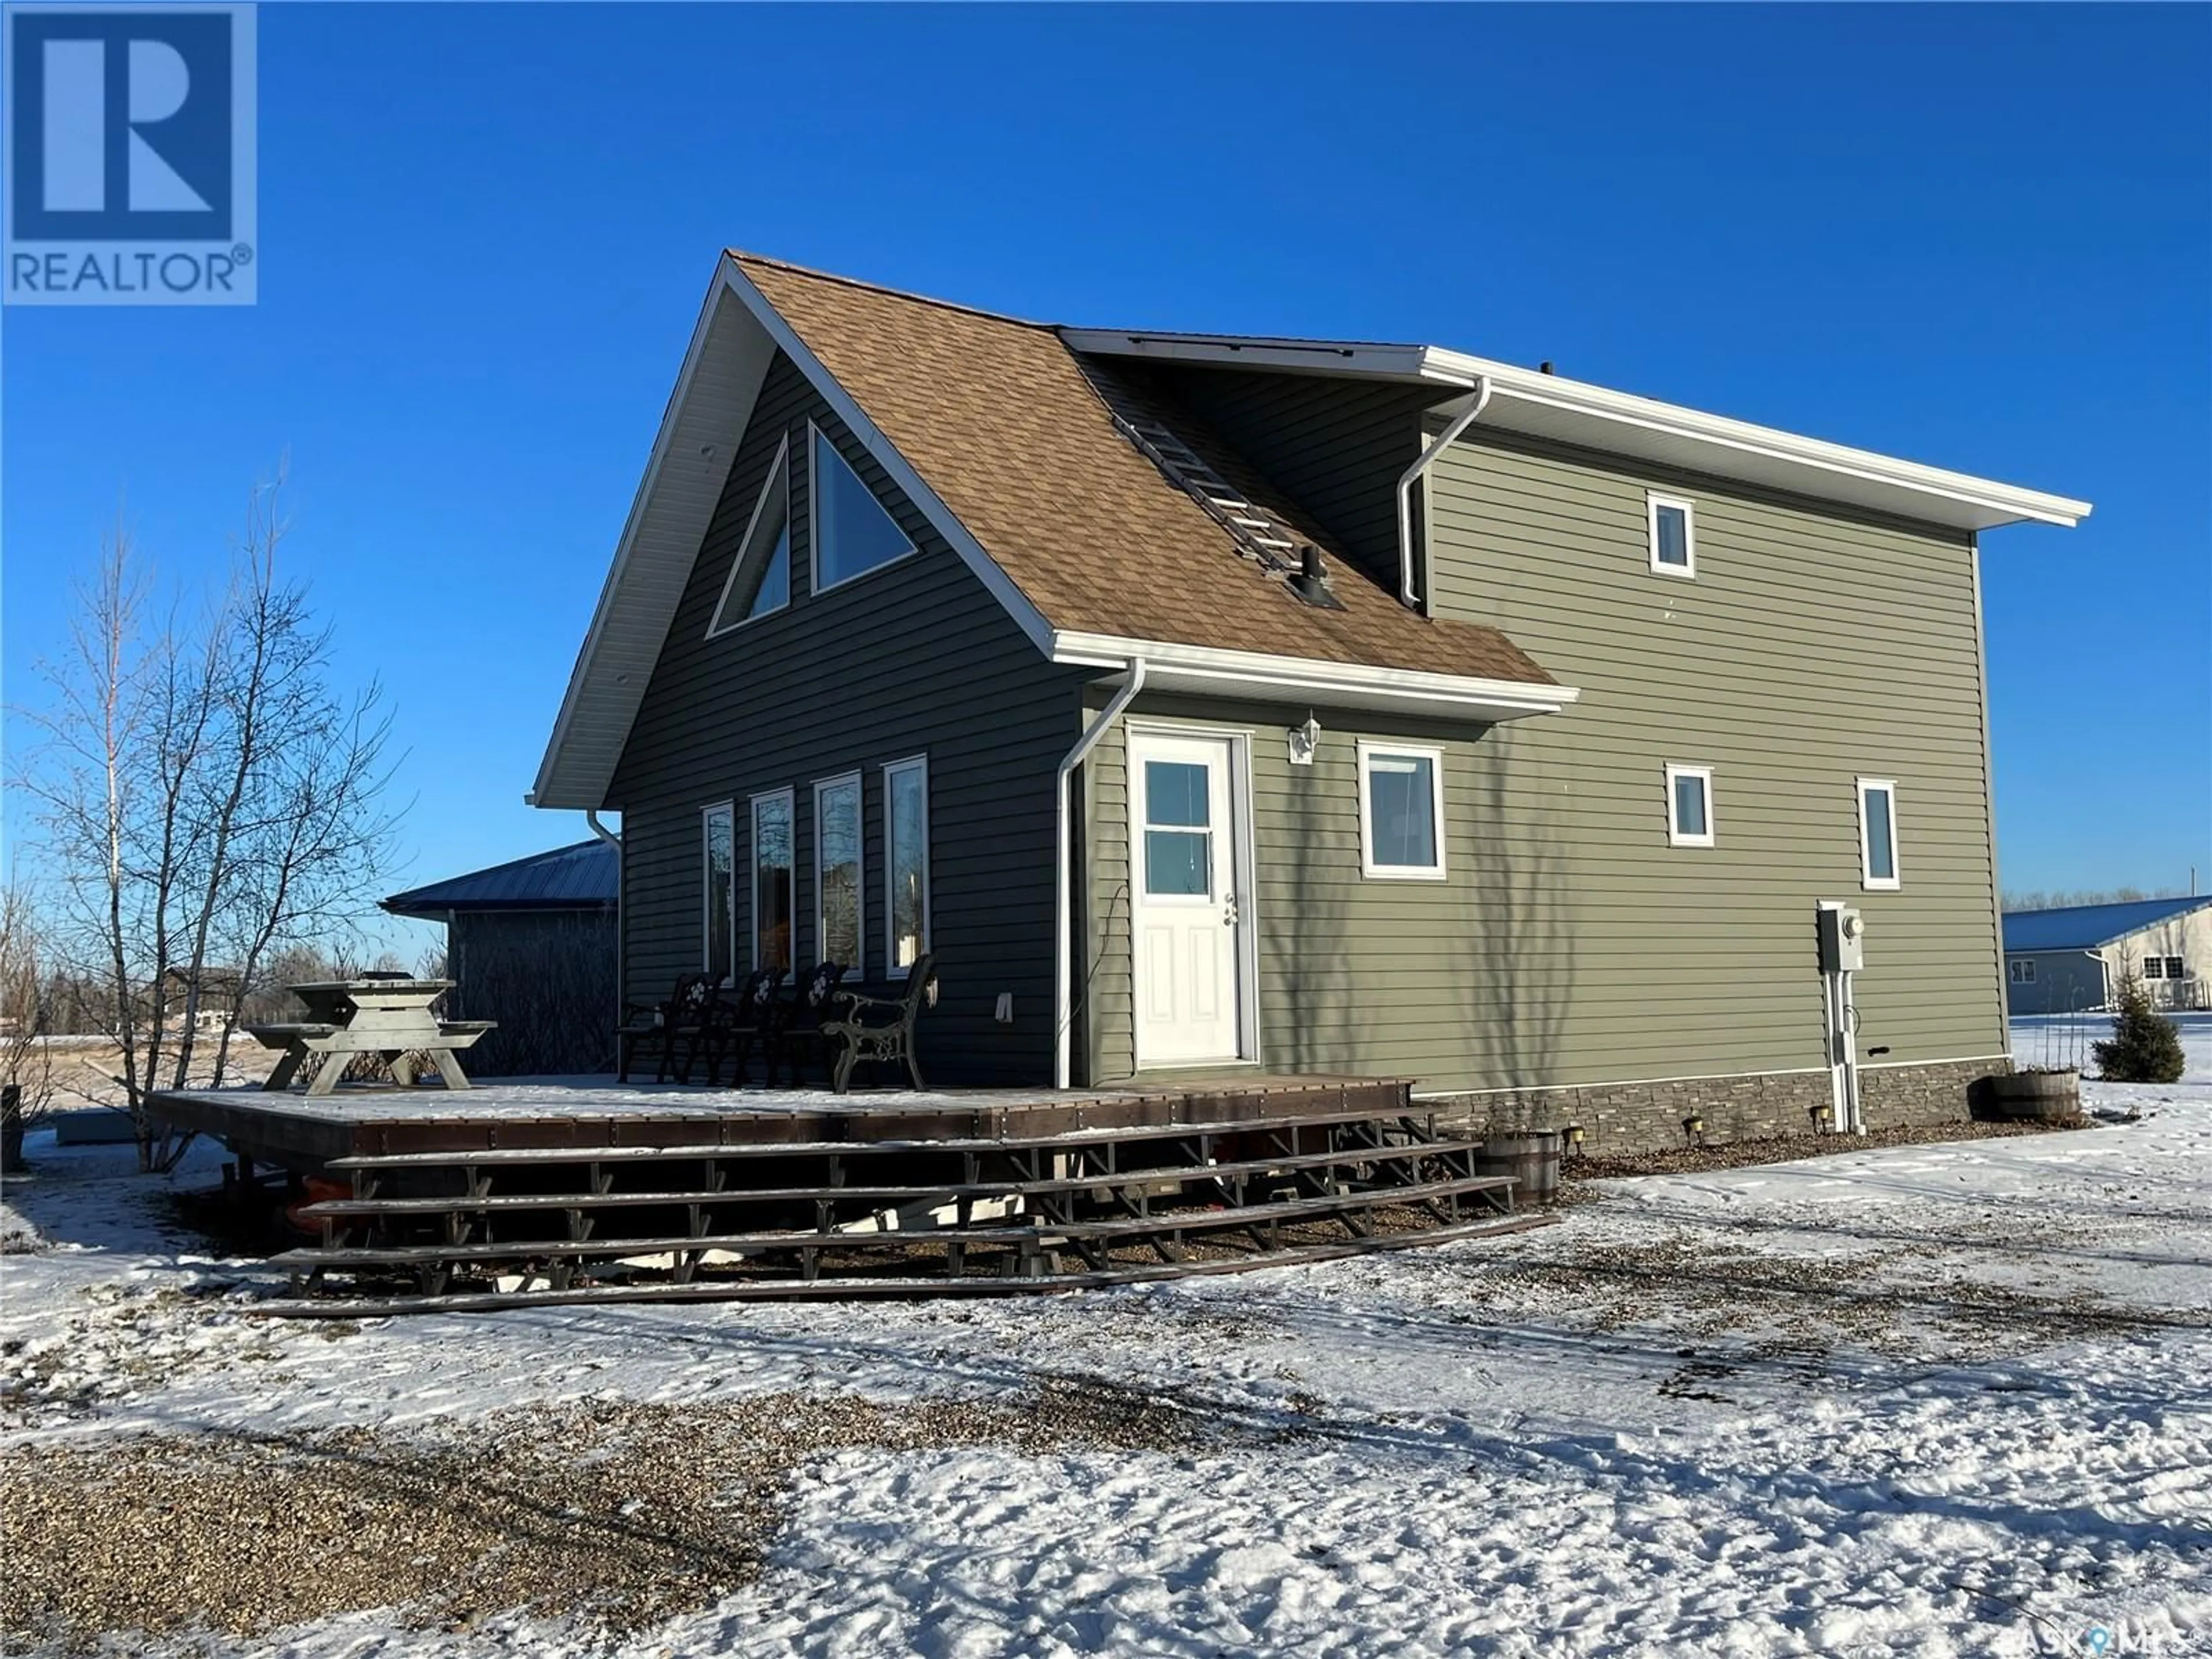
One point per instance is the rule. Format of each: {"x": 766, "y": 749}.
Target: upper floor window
{"x": 2154, "y": 968}
{"x": 852, "y": 532}
{"x": 760, "y": 576}
{"x": 1878, "y": 832}
{"x": 1674, "y": 536}
{"x": 1689, "y": 806}
{"x": 2022, "y": 970}
{"x": 1401, "y": 812}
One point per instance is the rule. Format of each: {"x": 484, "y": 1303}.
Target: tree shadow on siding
{"x": 1520, "y": 934}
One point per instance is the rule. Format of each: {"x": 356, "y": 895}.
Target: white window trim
{"x": 779, "y": 472}
{"x": 1675, "y": 837}
{"x": 1653, "y": 501}
{"x": 892, "y": 966}
{"x": 790, "y": 800}
{"x": 815, "y": 435}
{"x": 1867, "y": 880}
{"x": 729, "y": 809}
{"x": 857, "y": 969}
{"x": 1369, "y": 752}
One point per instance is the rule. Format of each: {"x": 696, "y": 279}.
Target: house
{"x": 1305, "y": 706}
{"x": 534, "y": 944}
{"x": 2065, "y": 960}
{"x": 207, "y": 996}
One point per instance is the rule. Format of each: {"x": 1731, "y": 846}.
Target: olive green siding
{"x": 1569, "y": 943}
{"x": 913, "y": 659}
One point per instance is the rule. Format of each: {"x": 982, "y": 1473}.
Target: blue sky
{"x": 1979, "y": 237}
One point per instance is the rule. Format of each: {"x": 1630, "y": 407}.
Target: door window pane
{"x": 721, "y": 895}
{"x": 838, "y": 871}
{"x": 906, "y": 853}
{"x": 1176, "y": 792}
{"x": 1178, "y": 863}
{"x": 772, "y": 880}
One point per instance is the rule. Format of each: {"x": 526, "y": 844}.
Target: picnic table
{"x": 384, "y": 1016}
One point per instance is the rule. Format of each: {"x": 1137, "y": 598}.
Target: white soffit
{"x": 1618, "y": 424}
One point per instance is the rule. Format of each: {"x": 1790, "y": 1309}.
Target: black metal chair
{"x": 690, "y": 1015}
{"x": 881, "y": 1029}
{"x": 749, "y": 1017}
{"x": 797, "y": 1035}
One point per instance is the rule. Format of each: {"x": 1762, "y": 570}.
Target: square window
{"x": 2023, "y": 971}
{"x": 1689, "y": 806}
{"x": 2176, "y": 967}
{"x": 2154, "y": 966}
{"x": 1401, "y": 817}
{"x": 1674, "y": 536}
{"x": 1878, "y": 833}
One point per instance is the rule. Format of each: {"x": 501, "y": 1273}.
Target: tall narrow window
{"x": 1878, "y": 832}
{"x": 852, "y": 532}
{"x": 906, "y": 864}
{"x": 1689, "y": 806}
{"x": 719, "y": 836}
{"x": 1401, "y": 814}
{"x": 838, "y": 871}
{"x": 760, "y": 576}
{"x": 772, "y": 880}
{"x": 1674, "y": 536}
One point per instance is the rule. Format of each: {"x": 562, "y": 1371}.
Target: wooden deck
{"x": 523, "y": 1194}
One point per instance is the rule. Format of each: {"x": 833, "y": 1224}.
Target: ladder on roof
{"x": 1250, "y": 525}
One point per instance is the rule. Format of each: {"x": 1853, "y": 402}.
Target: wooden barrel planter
{"x": 1533, "y": 1161}
{"x": 2035, "y": 1096}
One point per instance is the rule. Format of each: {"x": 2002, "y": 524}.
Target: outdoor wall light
{"x": 1824, "y": 1117}
{"x": 1304, "y": 739}
{"x": 1573, "y": 1132}
{"x": 1694, "y": 1124}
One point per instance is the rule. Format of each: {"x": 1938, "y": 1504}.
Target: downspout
{"x": 1063, "y": 995}
{"x": 592, "y": 818}
{"x": 1413, "y": 475}
{"x": 622, "y": 982}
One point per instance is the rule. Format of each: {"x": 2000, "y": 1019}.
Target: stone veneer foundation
{"x": 1622, "y": 1118}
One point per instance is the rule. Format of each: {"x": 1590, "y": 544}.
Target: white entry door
{"x": 1184, "y": 911}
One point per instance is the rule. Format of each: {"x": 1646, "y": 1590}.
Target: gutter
{"x": 1411, "y": 476}
{"x": 1063, "y": 992}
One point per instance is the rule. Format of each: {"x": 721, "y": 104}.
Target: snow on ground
{"x": 1948, "y": 1399}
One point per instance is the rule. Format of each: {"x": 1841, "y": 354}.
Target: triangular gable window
{"x": 760, "y": 576}
{"x": 852, "y": 532}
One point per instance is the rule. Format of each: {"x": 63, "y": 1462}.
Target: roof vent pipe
{"x": 1310, "y": 583}
{"x": 1413, "y": 600}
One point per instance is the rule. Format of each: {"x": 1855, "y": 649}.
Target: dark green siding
{"x": 915, "y": 658}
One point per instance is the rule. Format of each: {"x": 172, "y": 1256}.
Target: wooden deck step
{"x": 1167, "y": 1223}
{"x": 1070, "y": 1139}
{"x": 947, "y": 1191}
{"x": 841, "y": 1289}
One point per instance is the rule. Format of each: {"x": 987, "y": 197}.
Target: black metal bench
{"x": 797, "y": 1036}
{"x": 881, "y": 1029}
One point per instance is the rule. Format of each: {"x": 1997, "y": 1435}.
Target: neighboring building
{"x": 1524, "y": 779}
{"x": 213, "y": 1008}
{"x": 534, "y": 946}
{"x": 2073, "y": 958}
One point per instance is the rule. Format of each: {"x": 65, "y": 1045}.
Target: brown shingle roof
{"x": 999, "y": 419}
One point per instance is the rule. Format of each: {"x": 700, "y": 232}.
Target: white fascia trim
{"x": 941, "y": 517}
{"x": 1269, "y": 677}
{"x": 1459, "y": 371}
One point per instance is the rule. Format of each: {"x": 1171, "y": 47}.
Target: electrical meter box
{"x": 1842, "y": 940}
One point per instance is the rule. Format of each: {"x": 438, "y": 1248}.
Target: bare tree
{"x": 207, "y": 797}
{"x": 27, "y": 1075}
